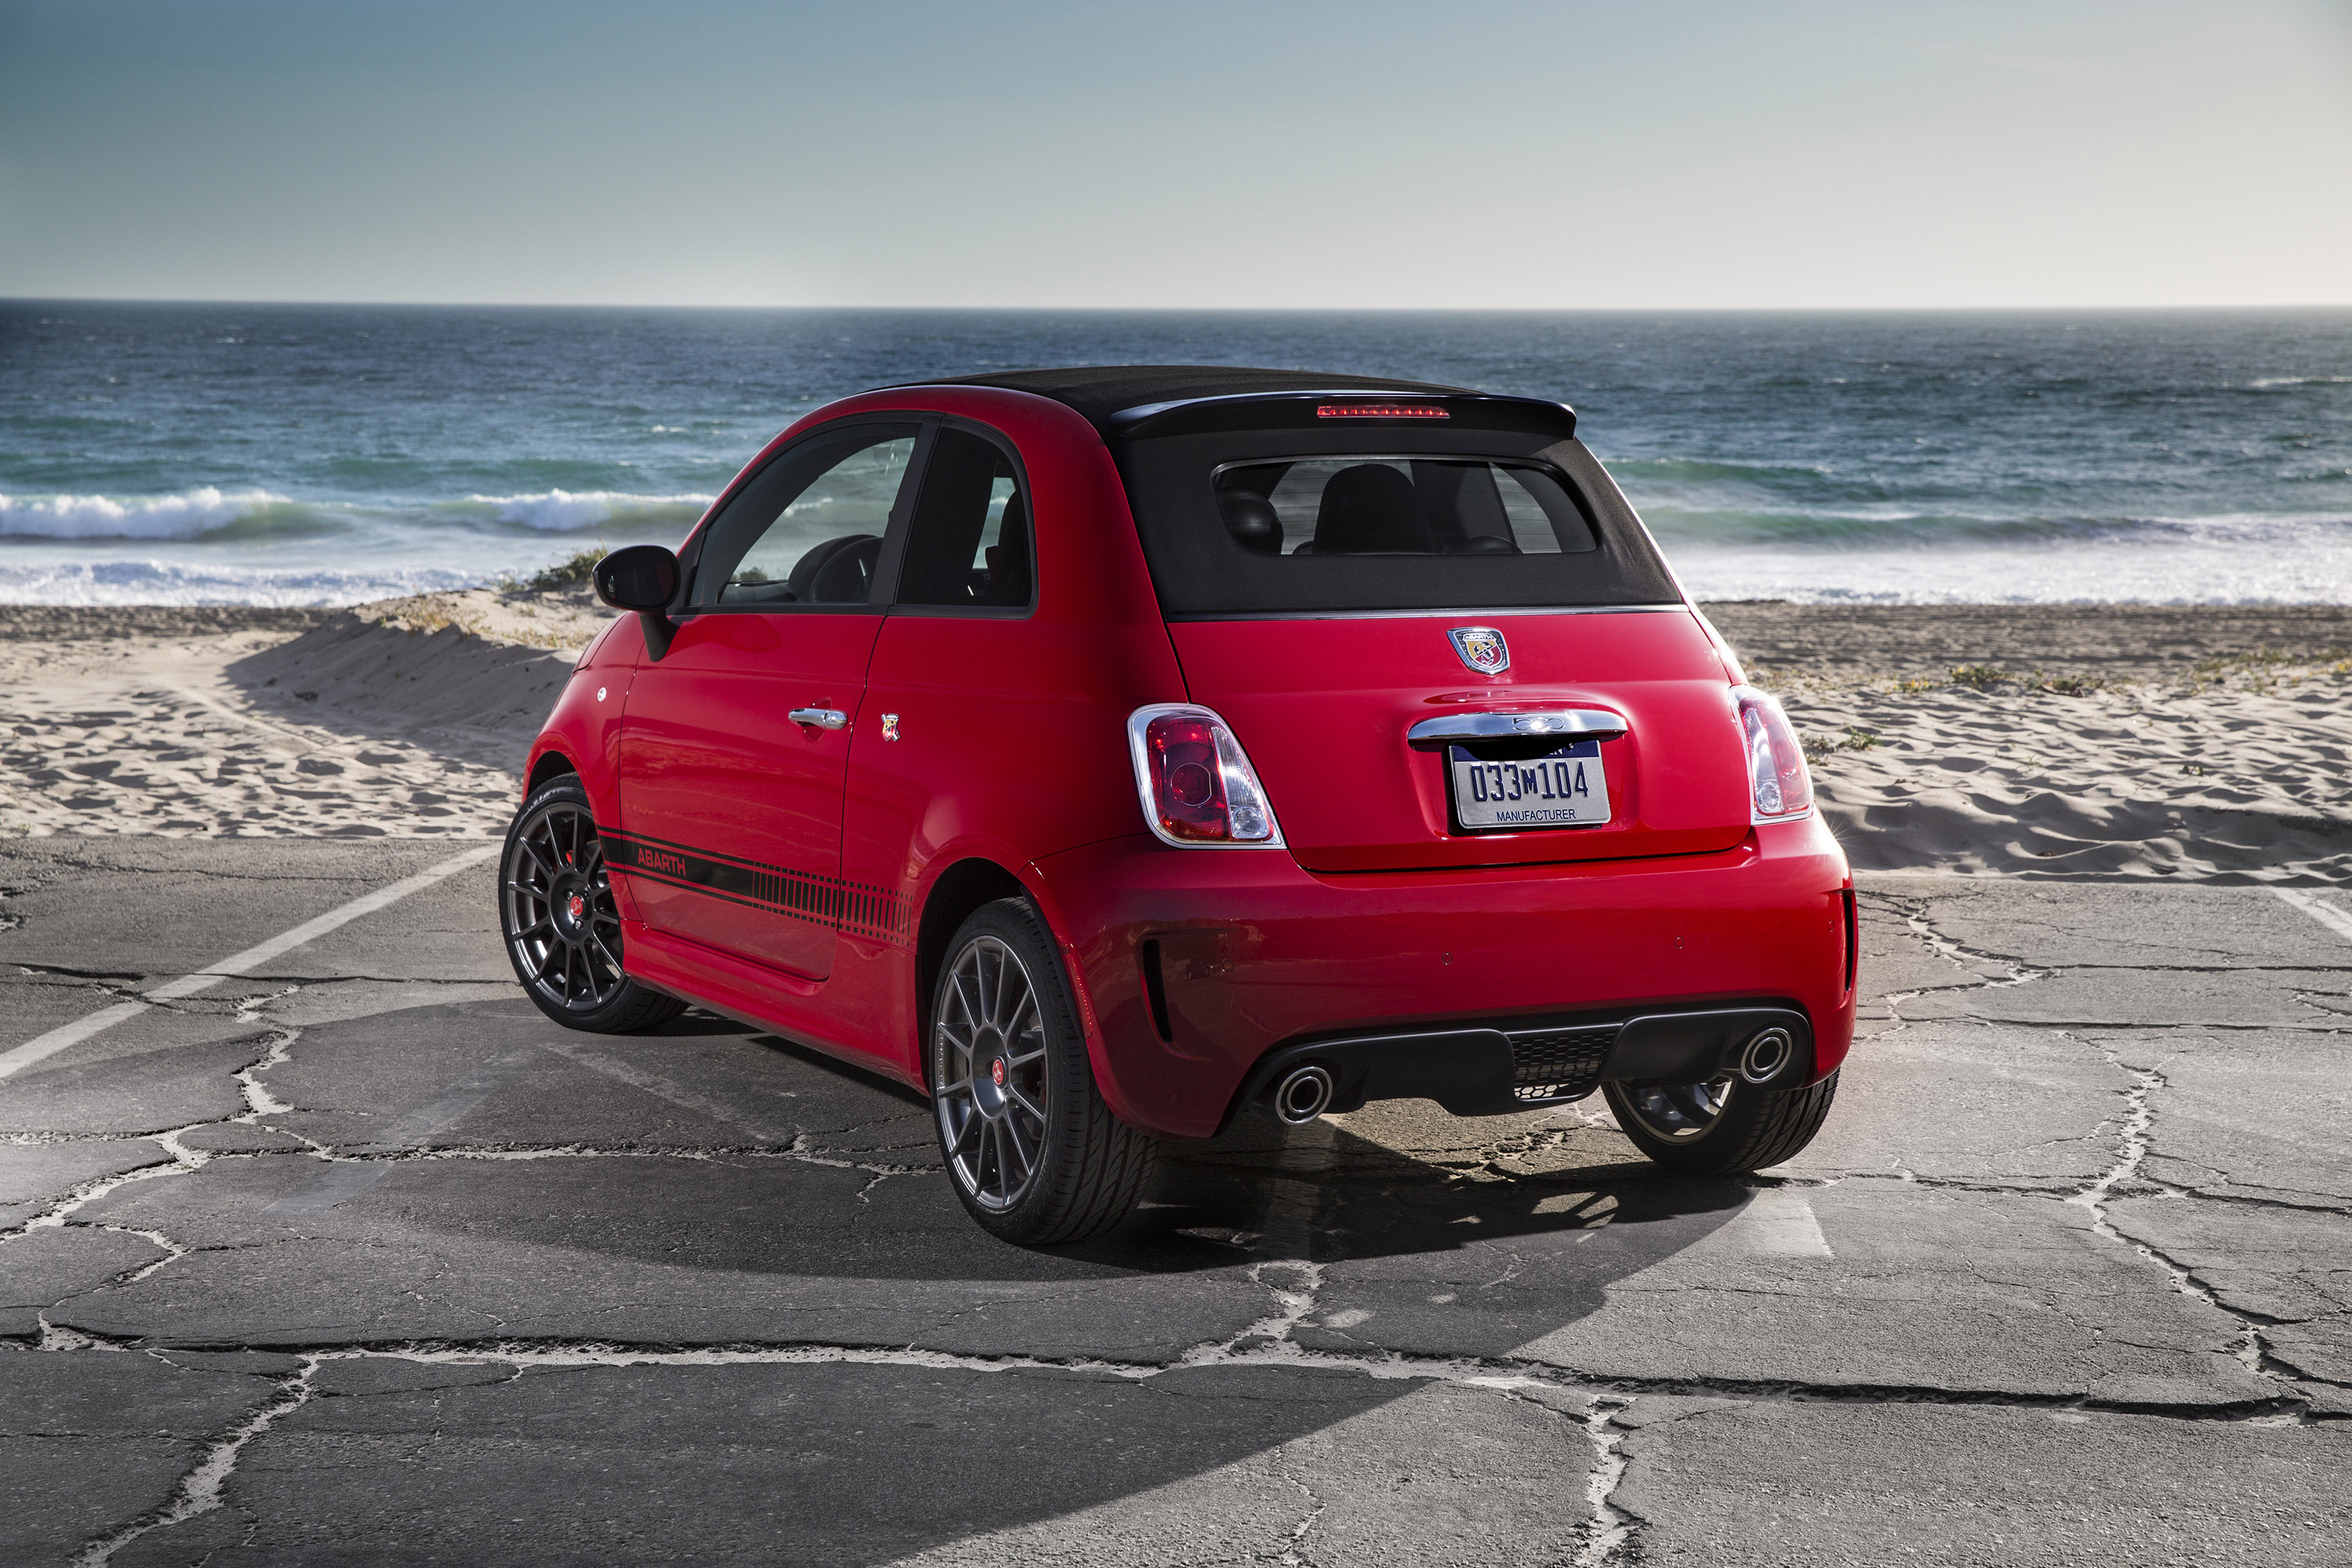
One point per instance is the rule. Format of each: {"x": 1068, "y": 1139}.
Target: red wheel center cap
{"x": 996, "y": 1071}
{"x": 576, "y": 907}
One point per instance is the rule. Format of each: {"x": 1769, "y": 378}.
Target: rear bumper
{"x": 1490, "y": 1072}
{"x": 1254, "y": 955}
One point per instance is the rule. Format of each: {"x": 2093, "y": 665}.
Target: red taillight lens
{"x": 1197, "y": 786}
{"x": 1777, "y": 779}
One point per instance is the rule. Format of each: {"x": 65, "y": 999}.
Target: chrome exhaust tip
{"x": 1762, "y": 1058}
{"x": 1304, "y": 1093}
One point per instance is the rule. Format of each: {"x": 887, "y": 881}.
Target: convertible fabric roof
{"x": 1097, "y": 391}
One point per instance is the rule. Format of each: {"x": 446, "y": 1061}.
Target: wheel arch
{"x": 551, "y": 764}
{"x": 954, "y": 894}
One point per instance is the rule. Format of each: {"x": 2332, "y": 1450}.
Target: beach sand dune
{"x": 2071, "y": 739}
{"x": 2035, "y": 741}
{"x": 403, "y": 718}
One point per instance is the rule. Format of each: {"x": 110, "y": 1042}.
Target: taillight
{"x": 1777, "y": 783}
{"x": 1197, "y": 789}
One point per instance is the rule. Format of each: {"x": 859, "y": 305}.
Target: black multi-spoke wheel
{"x": 561, "y": 930}
{"x": 1033, "y": 1152}
{"x": 1724, "y": 1126}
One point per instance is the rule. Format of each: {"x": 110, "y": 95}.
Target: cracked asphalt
{"x": 355, "y": 1258}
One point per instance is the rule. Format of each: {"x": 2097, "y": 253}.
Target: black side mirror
{"x": 643, "y": 578}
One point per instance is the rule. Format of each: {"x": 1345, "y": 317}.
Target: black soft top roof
{"x": 1097, "y": 391}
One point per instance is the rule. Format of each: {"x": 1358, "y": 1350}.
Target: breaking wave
{"x": 186, "y": 515}
{"x": 567, "y": 512}
{"x": 182, "y": 582}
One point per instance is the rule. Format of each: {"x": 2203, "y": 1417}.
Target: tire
{"x": 1749, "y": 1128}
{"x": 556, "y": 913}
{"x": 1031, "y": 1148}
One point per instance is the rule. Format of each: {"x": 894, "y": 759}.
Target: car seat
{"x": 1368, "y": 509}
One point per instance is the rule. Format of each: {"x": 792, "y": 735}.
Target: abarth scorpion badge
{"x": 1481, "y": 649}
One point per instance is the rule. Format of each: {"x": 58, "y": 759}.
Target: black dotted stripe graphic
{"x": 859, "y": 909}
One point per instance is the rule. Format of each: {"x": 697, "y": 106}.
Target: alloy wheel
{"x": 560, "y": 921}
{"x": 1681, "y": 1111}
{"x": 988, "y": 1065}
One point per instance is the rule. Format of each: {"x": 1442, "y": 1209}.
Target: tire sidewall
{"x": 1732, "y": 1141}
{"x": 1706, "y": 1150}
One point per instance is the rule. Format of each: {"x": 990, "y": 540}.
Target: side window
{"x": 969, "y": 545}
{"x": 808, "y": 529}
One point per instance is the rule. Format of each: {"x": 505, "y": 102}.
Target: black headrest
{"x": 1370, "y": 508}
{"x": 1251, "y": 518}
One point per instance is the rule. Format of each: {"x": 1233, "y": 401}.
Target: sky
{"x": 1637, "y": 154}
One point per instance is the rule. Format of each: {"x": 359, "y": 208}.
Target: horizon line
{"x": 68, "y": 300}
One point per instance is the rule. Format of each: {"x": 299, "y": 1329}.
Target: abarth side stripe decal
{"x": 856, "y": 908}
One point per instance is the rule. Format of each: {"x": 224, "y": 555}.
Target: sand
{"x": 403, "y": 718}
{"x": 2074, "y": 742}
{"x": 2131, "y": 740}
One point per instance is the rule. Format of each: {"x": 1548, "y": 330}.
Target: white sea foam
{"x": 2213, "y": 568}
{"x": 2266, "y": 382}
{"x": 181, "y": 516}
{"x": 153, "y": 581}
{"x": 564, "y": 511}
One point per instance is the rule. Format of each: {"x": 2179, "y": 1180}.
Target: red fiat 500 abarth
{"x": 1106, "y": 751}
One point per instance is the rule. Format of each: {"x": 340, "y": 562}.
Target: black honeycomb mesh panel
{"x": 1564, "y": 1064}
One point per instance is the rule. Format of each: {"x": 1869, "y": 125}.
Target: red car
{"x": 1105, "y": 753}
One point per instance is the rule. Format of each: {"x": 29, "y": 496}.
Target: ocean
{"x": 324, "y": 455}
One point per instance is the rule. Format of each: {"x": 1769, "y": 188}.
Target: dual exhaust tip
{"x": 1304, "y": 1094}
{"x": 1763, "y": 1057}
{"x": 1305, "y": 1091}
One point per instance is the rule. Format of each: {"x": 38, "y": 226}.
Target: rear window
{"x": 1319, "y": 519}
{"x": 1319, "y": 507}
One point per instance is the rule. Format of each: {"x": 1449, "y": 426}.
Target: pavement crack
{"x": 2132, "y": 1147}
{"x": 178, "y": 1159}
{"x": 1248, "y": 1349}
{"x": 199, "y": 1490}
{"x": 1293, "y": 1549}
{"x": 1609, "y": 1533}
{"x": 1271, "y": 1333}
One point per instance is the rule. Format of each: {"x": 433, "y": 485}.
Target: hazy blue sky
{"x": 1676, "y": 153}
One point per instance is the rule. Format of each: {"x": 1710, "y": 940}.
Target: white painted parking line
{"x": 42, "y": 1047}
{"x": 1780, "y": 1225}
{"x": 2326, "y": 913}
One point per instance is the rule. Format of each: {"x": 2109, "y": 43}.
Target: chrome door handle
{"x": 1585, "y": 723}
{"x": 822, "y": 718}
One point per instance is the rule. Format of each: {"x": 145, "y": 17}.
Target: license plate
{"x": 1566, "y": 788}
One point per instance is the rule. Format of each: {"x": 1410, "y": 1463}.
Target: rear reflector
{"x": 1380, "y": 411}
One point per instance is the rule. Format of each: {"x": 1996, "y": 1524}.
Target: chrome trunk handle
{"x": 822, "y": 718}
{"x": 1581, "y": 723}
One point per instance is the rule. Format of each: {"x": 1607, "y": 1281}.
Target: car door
{"x": 734, "y": 743}
{"x": 965, "y": 684}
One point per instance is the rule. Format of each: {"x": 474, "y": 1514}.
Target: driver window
{"x": 808, "y": 529}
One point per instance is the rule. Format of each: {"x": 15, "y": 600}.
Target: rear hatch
{"x": 1324, "y": 708}
{"x": 1419, "y": 616}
